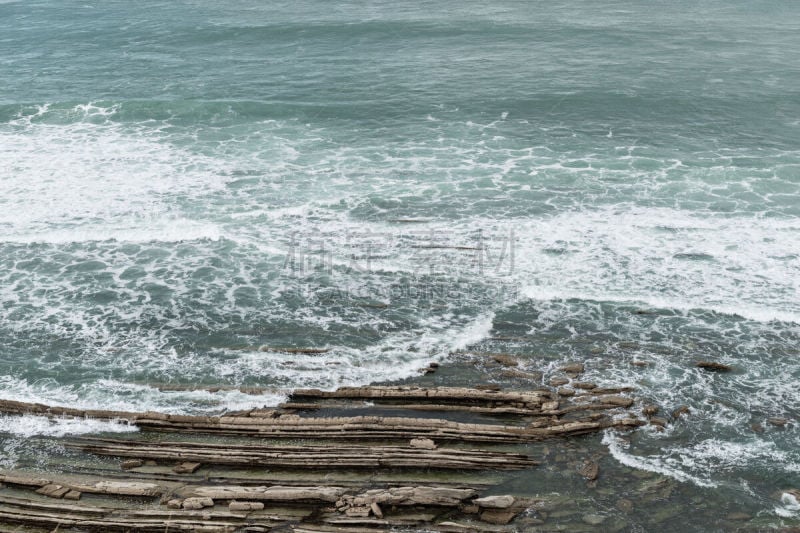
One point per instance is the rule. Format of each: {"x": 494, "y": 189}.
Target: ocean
{"x": 185, "y": 183}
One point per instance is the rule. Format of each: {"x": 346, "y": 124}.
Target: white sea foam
{"x": 398, "y": 356}
{"x": 790, "y": 507}
{"x": 701, "y": 262}
{"x": 653, "y": 463}
{"x": 140, "y": 231}
{"x": 65, "y": 182}
{"x": 92, "y": 181}
{"x": 29, "y": 426}
{"x": 122, "y": 396}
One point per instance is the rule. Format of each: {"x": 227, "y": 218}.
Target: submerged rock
{"x": 521, "y": 374}
{"x": 713, "y": 366}
{"x": 186, "y": 468}
{"x": 620, "y": 401}
{"x": 624, "y": 505}
{"x": 573, "y": 368}
{"x": 777, "y": 421}
{"x": 738, "y": 516}
{"x": 590, "y": 470}
{"x": 505, "y": 359}
{"x": 649, "y": 410}
{"x": 498, "y": 516}
{"x": 593, "y": 519}
{"x": 680, "y": 411}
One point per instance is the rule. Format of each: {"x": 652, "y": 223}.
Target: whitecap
{"x": 30, "y": 425}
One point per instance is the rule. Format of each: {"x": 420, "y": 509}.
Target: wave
{"x": 650, "y": 303}
{"x": 90, "y": 177}
{"x": 30, "y": 426}
{"x": 126, "y": 396}
{"x": 164, "y": 231}
{"x": 655, "y": 464}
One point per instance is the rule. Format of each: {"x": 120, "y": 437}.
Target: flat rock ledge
{"x": 552, "y": 416}
{"x": 160, "y": 480}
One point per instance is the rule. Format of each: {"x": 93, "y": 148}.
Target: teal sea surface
{"x": 611, "y": 182}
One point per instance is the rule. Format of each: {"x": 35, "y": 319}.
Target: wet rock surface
{"x": 555, "y": 492}
{"x": 428, "y": 430}
{"x": 713, "y": 366}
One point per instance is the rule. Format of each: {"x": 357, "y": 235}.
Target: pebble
{"x": 174, "y": 503}
{"x": 197, "y": 503}
{"x": 245, "y": 506}
{"x": 358, "y": 512}
{"x": 495, "y": 502}
{"x": 131, "y": 463}
{"x": 423, "y": 444}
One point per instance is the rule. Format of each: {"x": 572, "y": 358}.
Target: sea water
{"x": 185, "y": 182}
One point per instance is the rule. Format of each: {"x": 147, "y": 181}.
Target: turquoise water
{"x": 185, "y": 182}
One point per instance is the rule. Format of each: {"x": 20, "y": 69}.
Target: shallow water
{"x": 184, "y": 182}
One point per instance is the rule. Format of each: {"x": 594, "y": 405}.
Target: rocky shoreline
{"x": 403, "y": 450}
{"x": 421, "y": 456}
